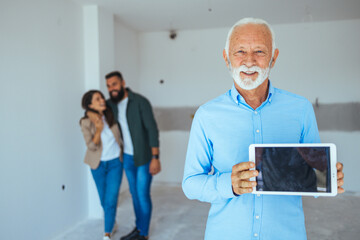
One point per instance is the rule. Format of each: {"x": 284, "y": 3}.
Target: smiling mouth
{"x": 249, "y": 73}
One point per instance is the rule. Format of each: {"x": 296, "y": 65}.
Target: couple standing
{"x": 121, "y": 133}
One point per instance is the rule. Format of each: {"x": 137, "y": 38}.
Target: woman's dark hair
{"x": 86, "y": 101}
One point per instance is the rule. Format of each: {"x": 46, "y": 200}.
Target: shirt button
{"x": 255, "y": 112}
{"x": 255, "y": 234}
{"x": 258, "y": 195}
{"x": 257, "y": 130}
{"x": 257, "y": 217}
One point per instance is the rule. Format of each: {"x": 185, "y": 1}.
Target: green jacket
{"x": 142, "y": 126}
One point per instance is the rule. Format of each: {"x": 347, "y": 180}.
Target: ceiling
{"x": 160, "y": 15}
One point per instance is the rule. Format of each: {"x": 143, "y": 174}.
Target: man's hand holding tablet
{"x": 240, "y": 178}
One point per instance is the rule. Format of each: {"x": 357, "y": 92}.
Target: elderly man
{"x": 252, "y": 111}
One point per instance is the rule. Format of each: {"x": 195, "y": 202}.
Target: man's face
{"x": 116, "y": 88}
{"x": 250, "y": 54}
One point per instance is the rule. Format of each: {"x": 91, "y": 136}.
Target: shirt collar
{"x": 235, "y": 95}
{"x": 271, "y": 92}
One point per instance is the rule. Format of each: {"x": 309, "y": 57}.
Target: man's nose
{"x": 249, "y": 60}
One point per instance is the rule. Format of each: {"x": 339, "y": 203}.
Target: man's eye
{"x": 241, "y": 52}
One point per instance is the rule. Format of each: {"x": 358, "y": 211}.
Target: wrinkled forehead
{"x": 251, "y": 34}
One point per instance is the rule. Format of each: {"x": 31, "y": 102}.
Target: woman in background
{"x": 104, "y": 153}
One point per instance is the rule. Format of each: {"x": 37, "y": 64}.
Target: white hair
{"x": 253, "y": 21}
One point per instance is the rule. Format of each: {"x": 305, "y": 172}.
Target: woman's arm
{"x": 92, "y": 140}
{"x": 99, "y": 125}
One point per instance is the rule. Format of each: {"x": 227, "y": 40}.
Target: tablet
{"x": 295, "y": 169}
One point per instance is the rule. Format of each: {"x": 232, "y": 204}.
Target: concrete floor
{"x": 176, "y": 217}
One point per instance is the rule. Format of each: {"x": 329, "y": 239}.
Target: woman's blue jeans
{"x": 108, "y": 179}
{"x": 139, "y": 180}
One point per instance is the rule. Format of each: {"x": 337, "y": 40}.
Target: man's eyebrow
{"x": 237, "y": 48}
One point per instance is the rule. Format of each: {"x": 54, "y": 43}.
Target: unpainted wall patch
{"x": 330, "y": 117}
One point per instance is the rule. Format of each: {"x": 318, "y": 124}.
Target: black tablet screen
{"x": 295, "y": 169}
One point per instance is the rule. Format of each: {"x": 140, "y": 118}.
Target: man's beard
{"x": 248, "y": 83}
{"x": 119, "y": 96}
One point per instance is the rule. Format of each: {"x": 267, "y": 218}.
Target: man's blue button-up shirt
{"x": 221, "y": 133}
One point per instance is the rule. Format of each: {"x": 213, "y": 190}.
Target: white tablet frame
{"x": 333, "y": 171}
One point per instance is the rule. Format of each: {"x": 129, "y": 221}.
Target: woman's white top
{"x": 110, "y": 147}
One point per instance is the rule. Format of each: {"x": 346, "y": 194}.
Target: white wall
{"x": 316, "y": 60}
{"x": 99, "y": 60}
{"x": 311, "y": 54}
{"x": 107, "y": 45}
{"x": 173, "y": 146}
{"x": 348, "y": 152}
{"x": 319, "y": 59}
{"x": 91, "y": 47}
{"x": 127, "y": 54}
{"x": 41, "y": 146}
{"x": 191, "y": 66}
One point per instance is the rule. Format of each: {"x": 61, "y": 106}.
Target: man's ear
{"x": 276, "y": 54}
{"x": 226, "y": 58}
{"x": 122, "y": 83}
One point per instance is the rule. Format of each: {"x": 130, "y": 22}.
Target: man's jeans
{"x": 107, "y": 179}
{"x": 139, "y": 180}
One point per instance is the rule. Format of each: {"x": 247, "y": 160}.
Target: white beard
{"x": 248, "y": 83}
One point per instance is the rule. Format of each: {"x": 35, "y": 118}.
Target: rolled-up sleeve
{"x": 197, "y": 182}
{"x": 310, "y": 132}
